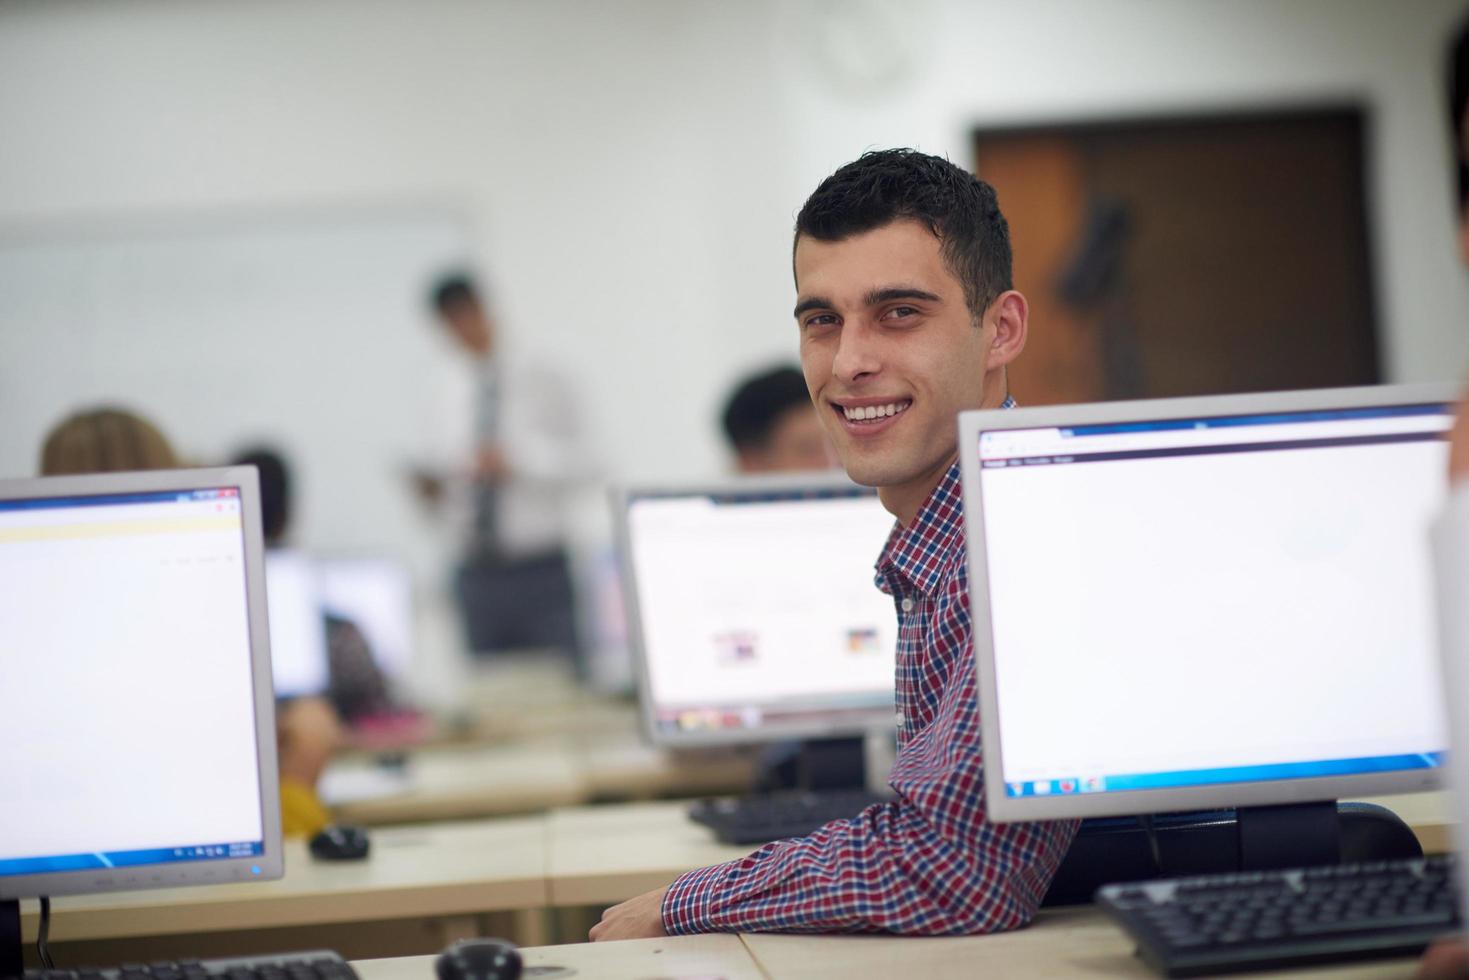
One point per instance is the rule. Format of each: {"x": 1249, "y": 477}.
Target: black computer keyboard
{"x": 315, "y": 965}
{"x": 1229, "y": 923}
{"x": 773, "y": 816}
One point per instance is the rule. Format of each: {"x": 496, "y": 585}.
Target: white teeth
{"x": 874, "y": 411}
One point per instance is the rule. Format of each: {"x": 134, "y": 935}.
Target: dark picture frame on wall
{"x": 1228, "y": 251}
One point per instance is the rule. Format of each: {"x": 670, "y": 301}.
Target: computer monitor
{"x": 752, "y": 609}
{"x": 1206, "y": 602}
{"x": 376, "y": 594}
{"x": 297, "y": 626}
{"x": 137, "y": 728}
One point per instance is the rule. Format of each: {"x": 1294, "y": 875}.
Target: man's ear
{"x": 1011, "y": 318}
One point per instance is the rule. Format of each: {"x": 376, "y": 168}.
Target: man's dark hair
{"x": 759, "y": 401}
{"x": 883, "y": 186}
{"x": 1458, "y": 102}
{"x": 453, "y": 289}
{"x": 275, "y": 489}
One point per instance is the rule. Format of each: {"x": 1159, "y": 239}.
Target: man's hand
{"x": 491, "y": 465}
{"x": 1447, "y": 959}
{"x": 1459, "y": 443}
{"x": 636, "y": 918}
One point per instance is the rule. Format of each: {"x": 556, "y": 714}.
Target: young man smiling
{"x": 906, "y": 318}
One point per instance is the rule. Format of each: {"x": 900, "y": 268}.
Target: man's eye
{"x": 821, "y": 320}
{"x": 900, "y": 312}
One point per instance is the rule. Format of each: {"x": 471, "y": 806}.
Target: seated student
{"x": 105, "y": 440}
{"x": 772, "y": 426}
{"x": 357, "y": 688}
{"x": 906, "y": 316}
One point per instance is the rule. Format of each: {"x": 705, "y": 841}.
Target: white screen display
{"x": 376, "y": 594}
{"x": 762, "y": 611}
{"x": 1218, "y": 603}
{"x": 298, "y": 656}
{"x": 127, "y": 713}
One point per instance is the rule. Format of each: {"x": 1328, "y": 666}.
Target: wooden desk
{"x": 450, "y": 875}
{"x": 533, "y": 775}
{"x": 634, "y": 959}
{"x": 463, "y": 782}
{"x": 446, "y": 870}
{"x": 1061, "y": 944}
{"x": 623, "y": 766}
{"x": 604, "y": 854}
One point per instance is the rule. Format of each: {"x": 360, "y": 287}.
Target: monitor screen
{"x": 298, "y": 650}
{"x": 754, "y": 611}
{"x": 133, "y": 700}
{"x": 1206, "y": 602}
{"x": 377, "y": 595}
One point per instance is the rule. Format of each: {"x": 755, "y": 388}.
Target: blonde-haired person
{"x": 105, "y": 440}
{"x": 308, "y": 732}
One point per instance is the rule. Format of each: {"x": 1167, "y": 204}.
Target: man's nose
{"x": 857, "y": 352}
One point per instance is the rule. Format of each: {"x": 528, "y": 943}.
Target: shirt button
{"x": 898, "y": 719}
{"x": 907, "y": 605}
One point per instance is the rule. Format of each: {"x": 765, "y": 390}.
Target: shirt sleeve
{"x": 929, "y": 863}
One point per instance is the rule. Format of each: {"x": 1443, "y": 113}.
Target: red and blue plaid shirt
{"x": 928, "y": 863}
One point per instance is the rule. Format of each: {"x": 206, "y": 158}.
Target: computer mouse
{"x": 341, "y": 843}
{"x": 479, "y": 959}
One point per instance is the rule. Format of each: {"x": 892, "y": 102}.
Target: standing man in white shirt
{"x": 522, "y": 459}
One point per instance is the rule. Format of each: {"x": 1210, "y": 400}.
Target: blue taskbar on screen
{"x": 1229, "y": 774}
{"x": 127, "y": 859}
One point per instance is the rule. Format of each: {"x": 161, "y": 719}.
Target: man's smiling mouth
{"x": 859, "y": 414}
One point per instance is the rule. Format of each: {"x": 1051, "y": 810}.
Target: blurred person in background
{"x": 114, "y": 440}
{"x": 105, "y": 440}
{"x": 358, "y": 689}
{"x": 511, "y": 476}
{"x": 772, "y": 426}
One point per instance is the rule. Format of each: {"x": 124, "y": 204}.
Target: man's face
{"x": 797, "y": 442}
{"x": 470, "y": 325}
{"x": 885, "y": 331}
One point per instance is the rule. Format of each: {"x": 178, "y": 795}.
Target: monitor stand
{"x": 1291, "y": 836}
{"x": 814, "y": 765}
{"x": 1118, "y": 849}
{"x": 12, "y": 964}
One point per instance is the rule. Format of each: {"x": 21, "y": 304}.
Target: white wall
{"x": 631, "y": 169}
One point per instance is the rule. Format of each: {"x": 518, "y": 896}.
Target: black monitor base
{"x": 12, "y": 964}
{"x": 815, "y": 764}
{"x": 1110, "y": 850}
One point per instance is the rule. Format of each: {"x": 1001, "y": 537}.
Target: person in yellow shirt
{"x": 308, "y": 733}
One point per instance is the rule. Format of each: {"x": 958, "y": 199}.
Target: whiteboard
{"x": 309, "y": 331}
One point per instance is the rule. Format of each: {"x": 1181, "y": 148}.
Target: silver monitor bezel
{"x": 213, "y": 871}
{"x": 1003, "y": 808}
{"x": 622, "y": 499}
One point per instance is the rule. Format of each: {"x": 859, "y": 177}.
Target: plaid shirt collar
{"x": 920, "y": 556}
